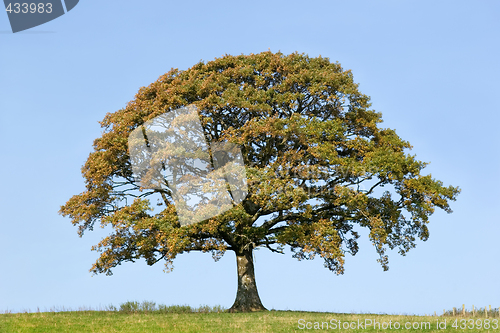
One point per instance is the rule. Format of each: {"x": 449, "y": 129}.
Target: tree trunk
{"x": 247, "y": 297}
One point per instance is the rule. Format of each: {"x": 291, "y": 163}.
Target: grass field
{"x": 219, "y": 322}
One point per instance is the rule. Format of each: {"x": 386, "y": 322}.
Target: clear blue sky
{"x": 430, "y": 67}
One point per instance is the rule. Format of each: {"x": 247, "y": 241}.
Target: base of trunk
{"x": 244, "y": 308}
{"x": 247, "y": 297}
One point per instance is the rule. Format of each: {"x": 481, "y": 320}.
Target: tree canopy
{"x": 319, "y": 168}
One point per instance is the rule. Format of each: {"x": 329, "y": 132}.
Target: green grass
{"x": 134, "y": 317}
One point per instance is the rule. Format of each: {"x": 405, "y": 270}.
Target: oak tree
{"x": 319, "y": 168}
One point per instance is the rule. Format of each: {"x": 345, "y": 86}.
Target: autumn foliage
{"x": 319, "y": 168}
